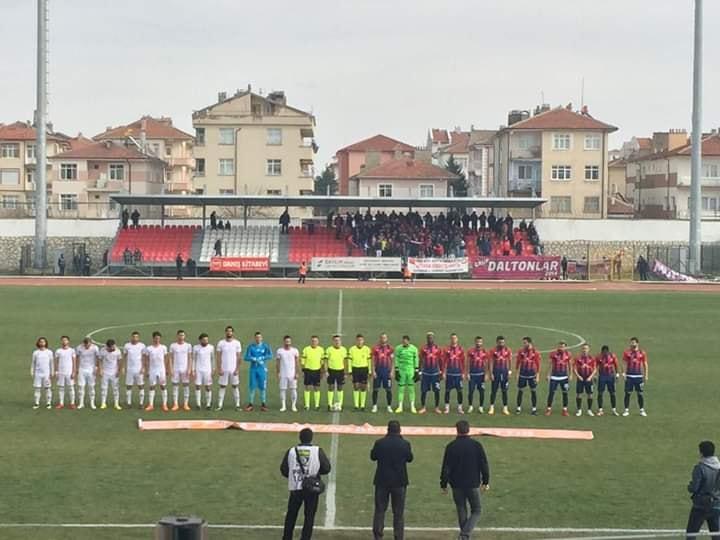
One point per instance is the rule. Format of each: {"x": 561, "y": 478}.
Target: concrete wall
{"x": 622, "y": 230}
{"x": 11, "y": 248}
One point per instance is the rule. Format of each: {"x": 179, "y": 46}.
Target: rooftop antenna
{"x": 40, "y": 241}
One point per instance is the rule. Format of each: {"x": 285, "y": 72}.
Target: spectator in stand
{"x": 438, "y": 251}
{"x": 564, "y": 267}
{"x": 137, "y": 256}
{"x": 338, "y": 226}
{"x": 330, "y": 219}
{"x": 505, "y": 247}
{"x": 518, "y": 248}
{"x": 492, "y": 220}
{"x": 523, "y": 225}
{"x": 227, "y": 225}
{"x": 466, "y": 223}
{"x": 61, "y": 265}
{"x": 178, "y": 266}
{"x": 124, "y": 218}
{"x": 484, "y": 245}
{"x": 284, "y": 221}
{"x": 213, "y": 220}
{"x": 509, "y": 221}
{"x": 191, "y": 266}
{"x": 218, "y": 248}
{"x": 474, "y": 221}
{"x": 135, "y": 216}
{"x": 483, "y": 220}
{"x": 127, "y": 256}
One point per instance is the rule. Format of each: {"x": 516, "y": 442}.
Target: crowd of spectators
{"x": 412, "y": 235}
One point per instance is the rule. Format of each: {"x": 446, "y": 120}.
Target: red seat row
{"x": 156, "y": 244}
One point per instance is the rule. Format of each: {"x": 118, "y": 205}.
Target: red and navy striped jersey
{"x": 454, "y": 360}
{"x": 585, "y": 365}
{"x": 528, "y": 361}
{"x": 477, "y": 360}
{"x": 501, "y": 358}
{"x": 430, "y": 358}
{"x": 607, "y": 364}
{"x": 634, "y": 361}
{"x": 560, "y": 363}
{"x": 382, "y": 356}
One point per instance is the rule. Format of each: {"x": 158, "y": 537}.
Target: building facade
{"x": 558, "y": 154}
{"x": 480, "y": 160}
{"x": 402, "y": 177}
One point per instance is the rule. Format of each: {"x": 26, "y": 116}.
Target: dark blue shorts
{"x": 477, "y": 381}
{"x": 453, "y": 381}
{"x": 634, "y": 384}
{"x": 500, "y": 380}
{"x": 584, "y": 387}
{"x": 530, "y": 381}
{"x": 564, "y": 385}
{"x": 606, "y": 383}
{"x": 429, "y": 382}
{"x": 383, "y": 380}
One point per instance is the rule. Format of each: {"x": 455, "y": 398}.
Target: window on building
{"x": 561, "y": 172}
{"x": 29, "y": 177}
{"x": 168, "y": 149}
{"x": 524, "y": 172}
{"x": 523, "y": 142}
{"x": 68, "y": 171}
{"x": 9, "y": 150}
{"x": 561, "y": 141}
{"x": 227, "y": 136}
{"x": 226, "y": 167}
{"x": 30, "y": 151}
{"x": 712, "y": 171}
{"x": 200, "y": 136}
{"x": 561, "y": 205}
{"x": 592, "y": 142}
{"x": 274, "y": 167}
{"x": 273, "y": 192}
{"x": 200, "y": 167}
{"x": 68, "y": 201}
{"x": 306, "y": 168}
{"x": 226, "y": 191}
{"x": 426, "y": 190}
{"x": 116, "y": 171}
{"x": 591, "y": 205}
{"x": 10, "y": 202}
{"x": 592, "y": 172}
{"x": 384, "y": 190}
{"x": 9, "y": 177}
{"x": 274, "y": 136}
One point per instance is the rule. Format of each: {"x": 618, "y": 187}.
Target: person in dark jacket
{"x": 124, "y": 218}
{"x": 465, "y": 468}
{"x": 299, "y": 462}
{"x": 213, "y": 220}
{"x": 178, "y": 266}
{"x": 704, "y": 488}
{"x": 135, "y": 217}
{"x": 61, "y": 265}
{"x": 392, "y": 454}
{"x": 284, "y": 222}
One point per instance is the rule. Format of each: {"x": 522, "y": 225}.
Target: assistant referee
{"x": 360, "y": 355}
{"x": 311, "y": 361}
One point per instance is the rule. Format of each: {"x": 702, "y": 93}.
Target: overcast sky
{"x": 363, "y": 67}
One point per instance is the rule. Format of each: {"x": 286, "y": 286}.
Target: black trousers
{"x": 397, "y": 498}
{"x": 462, "y": 499}
{"x": 295, "y": 501}
{"x": 699, "y": 516}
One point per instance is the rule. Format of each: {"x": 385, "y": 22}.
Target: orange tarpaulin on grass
{"x": 364, "y": 429}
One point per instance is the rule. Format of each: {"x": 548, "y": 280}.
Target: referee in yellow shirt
{"x": 311, "y": 361}
{"x": 335, "y": 356}
{"x": 360, "y": 355}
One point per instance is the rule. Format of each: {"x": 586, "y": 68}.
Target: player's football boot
{"x": 481, "y": 410}
{"x": 505, "y": 411}
{"x": 150, "y": 408}
{"x": 565, "y": 412}
{"x": 422, "y": 410}
{"x": 103, "y": 406}
{"x": 460, "y": 410}
{"x": 590, "y": 413}
{"x": 72, "y": 406}
{"x": 118, "y": 407}
{"x": 165, "y": 408}
{"x": 438, "y": 410}
{"x": 283, "y": 408}
{"x": 92, "y": 405}
{"x": 186, "y": 407}
{"x": 175, "y": 408}
{"x": 534, "y": 411}
{"x": 470, "y": 409}
{"x": 615, "y": 413}
{"x": 48, "y": 406}
{"x": 518, "y": 410}
{"x": 413, "y": 409}
{"x": 578, "y": 412}
{"x": 249, "y": 407}
{"x": 389, "y": 409}
{"x": 548, "y": 411}
{"x": 36, "y": 406}
{"x": 642, "y": 412}
{"x": 294, "y": 408}
{"x": 491, "y": 410}
{"x": 446, "y": 410}
{"x": 59, "y": 406}
{"x": 81, "y": 406}
{"x": 374, "y": 409}
{"x": 263, "y": 408}
{"x": 626, "y": 412}
{"x": 601, "y": 412}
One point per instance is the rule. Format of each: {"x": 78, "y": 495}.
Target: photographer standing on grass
{"x": 704, "y": 488}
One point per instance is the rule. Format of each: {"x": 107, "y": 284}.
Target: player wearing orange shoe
{"x": 65, "y": 368}
{"x": 156, "y": 366}
{"x": 181, "y": 361}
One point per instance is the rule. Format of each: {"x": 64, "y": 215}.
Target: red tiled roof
{"x": 20, "y": 131}
{"x": 440, "y": 136}
{"x": 155, "y": 128}
{"x": 79, "y": 142}
{"x": 406, "y": 168}
{"x": 562, "y": 118}
{"x": 644, "y": 143}
{"x": 459, "y": 145}
{"x": 102, "y": 150}
{"x": 710, "y": 147}
{"x": 378, "y": 143}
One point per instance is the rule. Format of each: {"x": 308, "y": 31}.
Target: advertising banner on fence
{"x": 530, "y": 267}
{"x": 355, "y": 264}
{"x": 438, "y": 266}
{"x": 668, "y": 273}
{"x": 239, "y": 264}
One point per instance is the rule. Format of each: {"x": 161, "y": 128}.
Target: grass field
{"x": 96, "y": 467}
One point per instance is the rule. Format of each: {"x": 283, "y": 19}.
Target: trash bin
{"x": 181, "y": 528}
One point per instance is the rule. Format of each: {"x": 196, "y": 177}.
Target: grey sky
{"x": 363, "y": 66}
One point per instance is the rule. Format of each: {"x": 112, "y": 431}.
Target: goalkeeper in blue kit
{"x": 258, "y": 354}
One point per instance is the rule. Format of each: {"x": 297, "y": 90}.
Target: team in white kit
{"x": 149, "y": 365}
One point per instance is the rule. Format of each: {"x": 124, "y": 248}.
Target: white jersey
{"x": 134, "y": 352}
{"x": 110, "y": 361}
{"x": 202, "y": 358}
{"x": 88, "y": 357}
{"x": 65, "y": 359}
{"x": 287, "y": 361}
{"x": 180, "y": 355}
{"x": 156, "y": 357}
{"x": 229, "y": 351}
{"x": 42, "y": 361}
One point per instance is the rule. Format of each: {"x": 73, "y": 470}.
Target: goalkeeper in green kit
{"x": 407, "y": 372}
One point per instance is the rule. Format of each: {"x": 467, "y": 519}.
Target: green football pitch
{"x": 96, "y": 467}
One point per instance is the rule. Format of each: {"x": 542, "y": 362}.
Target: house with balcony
{"x": 83, "y": 179}
{"x": 557, "y": 154}
{"x": 660, "y": 181}
{"x": 480, "y": 160}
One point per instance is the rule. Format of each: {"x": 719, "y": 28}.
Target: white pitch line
{"x": 330, "y": 508}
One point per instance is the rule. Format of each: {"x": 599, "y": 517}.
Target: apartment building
{"x": 159, "y": 138}
{"x": 370, "y": 152}
{"x": 402, "y": 177}
{"x": 557, "y": 154}
{"x": 255, "y": 145}
{"x": 480, "y": 160}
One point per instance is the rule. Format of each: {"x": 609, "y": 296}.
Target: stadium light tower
{"x": 40, "y": 256}
{"x": 694, "y": 262}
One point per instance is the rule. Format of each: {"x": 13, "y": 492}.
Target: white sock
{"x": 142, "y": 396}
{"x": 61, "y": 395}
{"x": 103, "y": 393}
{"x": 151, "y": 397}
{"x": 293, "y": 395}
{"x": 208, "y": 398}
{"x": 197, "y": 398}
{"x": 81, "y": 397}
{"x": 92, "y": 393}
{"x": 176, "y": 390}
{"x": 186, "y": 394}
{"x": 128, "y": 397}
{"x": 283, "y": 396}
{"x": 116, "y": 394}
{"x": 236, "y": 395}
{"x": 37, "y": 396}
{"x": 48, "y": 395}
{"x": 221, "y": 396}
{"x": 164, "y": 397}
{"x": 72, "y": 394}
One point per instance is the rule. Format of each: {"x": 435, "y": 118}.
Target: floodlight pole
{"x": 694, "y": 262}
{"x": 40, "y": 255}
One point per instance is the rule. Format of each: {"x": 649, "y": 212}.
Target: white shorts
{"x": 180, "y": 376}
{"x": 86, "y": 378}
{"x": 41, "y": 380}
{"x": 110, "y": 378}
{"x": 133, "y": 378}
{"x": 157, "y": 377}
{"x": 203, "y": 378}
{"x": 288, "y": 382}
{"x": 65, "y": 379}
{"x": 228, "y": 378}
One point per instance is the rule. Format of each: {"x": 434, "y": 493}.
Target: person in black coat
{"x": 704, "y": 489}
{"x": 465, "y": 468}
{"x": 392, "y": 454}
{"x": 125, "y": 217}
{"x": 179, "y": 266}
{"x": 135, "y": 216}
{"x": 213, "y": 220}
